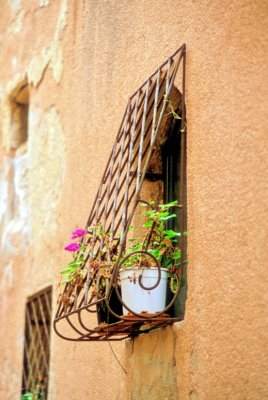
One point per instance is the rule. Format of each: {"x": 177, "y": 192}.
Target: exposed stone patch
{"x": 47, "y": 169}
{"x": 51, "y": 55}
{"x": 14, "y": 219}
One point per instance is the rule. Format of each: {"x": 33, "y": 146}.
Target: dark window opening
{"x": 37, "y": 345}
{"x": 173, "y": 173}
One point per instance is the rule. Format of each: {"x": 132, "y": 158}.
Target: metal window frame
{"x": 117, "y": 199}
{"x": 38, "y": 319}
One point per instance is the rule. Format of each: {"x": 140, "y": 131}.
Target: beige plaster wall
{"x": 82, "y": 59}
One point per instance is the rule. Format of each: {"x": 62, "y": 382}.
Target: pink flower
{"x": 72, "y": 247}
{"x": 78, "y": 233}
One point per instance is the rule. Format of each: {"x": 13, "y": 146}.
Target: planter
{"x": 139, "y": 299}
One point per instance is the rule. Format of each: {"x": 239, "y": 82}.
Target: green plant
{"x": 94, "y": 255}
{"x": 158, "y": 240}
{"x": 37, "y": 394}
{"x": 27, "y": 396}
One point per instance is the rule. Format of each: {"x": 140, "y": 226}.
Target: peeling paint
{"x": 17, "y": 24}
{"x": 37, "y": 66}
{"x": 21, "y": 186}
{"x": 14, "y": 207}
{"x": 15, "y": 4}
{"x": 62, "y": 19}
{"x": 7, "y": 276}
{"x": 14, "y": 62}
{"x": 14, "y": 240}
{"x": 47, "y": 170}
{"x": 56, "y": 50}
{"x": 43, "y": 3}
{"x": 56, "y": 63}
{"x": 52, "y": 55}
{"x": 3, "y": 196}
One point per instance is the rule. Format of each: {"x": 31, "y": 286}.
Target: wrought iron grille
{"x": 147, "y": 113}
{"x": 36, "y": 344}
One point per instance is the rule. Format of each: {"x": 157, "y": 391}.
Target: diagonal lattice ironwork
{"x": 36, "y": 344}
{"x": 120, "y": 192}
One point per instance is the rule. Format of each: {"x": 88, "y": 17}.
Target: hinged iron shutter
{"x": 121, "y": 184}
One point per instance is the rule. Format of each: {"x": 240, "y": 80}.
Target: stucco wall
{"x": 82, "y": 59}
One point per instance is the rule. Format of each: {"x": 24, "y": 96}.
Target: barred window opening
{"x": 37, "y": 344}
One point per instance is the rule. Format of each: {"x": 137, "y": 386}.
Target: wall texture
{"x": 82, "y": 59}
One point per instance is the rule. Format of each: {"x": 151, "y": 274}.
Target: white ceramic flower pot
{"x": 138, "y": 299}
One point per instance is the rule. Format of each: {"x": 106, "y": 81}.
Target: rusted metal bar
{"x": 36, "y": 344}
{"x": 142, "y": 135}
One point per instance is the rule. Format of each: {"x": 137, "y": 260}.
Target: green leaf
{"x": 71, "y": 264}
{"x": 136, "y": 247}
{"x": 168, "y": 205}
{"x": 133, "y": 239}
{"x": 163, "y": 214}
{"x": 166, "y": 261}
{"x": 65, "y": 271}
{"x": 155, "y": 252}
{"x": 148, "y": 224}
{"x": 148, "y": 213}
{"x": 170, "y": 233}
{"x": 27, "y": 396}
{"x": 176, "y": 255}
{"x": 168, "y": 217}
{"x": 78, "y": 262}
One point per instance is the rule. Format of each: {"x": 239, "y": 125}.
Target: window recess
{"x": 19, "y": 105}
{"x": 139, "y": 159}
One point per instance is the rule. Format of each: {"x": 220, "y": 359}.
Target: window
{"x": 146, "y": 137}
{"x": 37, "y": 344}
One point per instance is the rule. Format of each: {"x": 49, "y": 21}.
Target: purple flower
{"x": 78, "y": 233}
{"x": 72, "y": 247}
